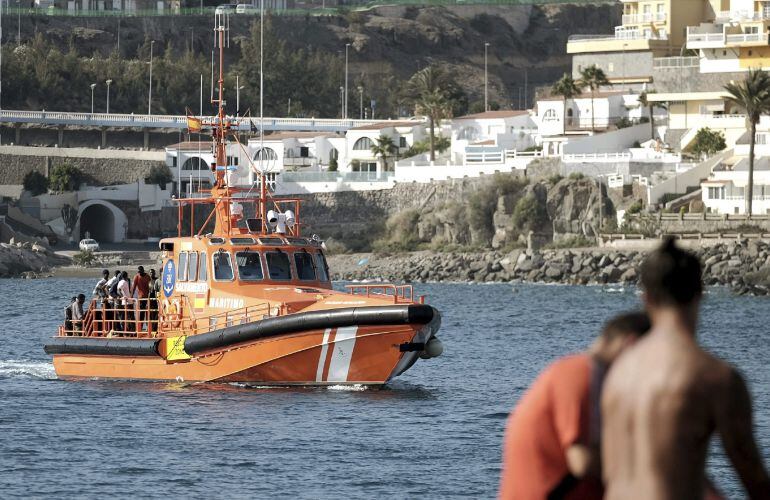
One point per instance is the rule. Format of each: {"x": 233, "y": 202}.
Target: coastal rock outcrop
{"x": 17, "y": 259}
{"x": 742, "y": 265}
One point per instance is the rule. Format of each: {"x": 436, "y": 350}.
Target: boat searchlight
{"x": 280, "y": 221}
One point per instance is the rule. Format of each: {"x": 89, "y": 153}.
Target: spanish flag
{"x": 193, "y": 124}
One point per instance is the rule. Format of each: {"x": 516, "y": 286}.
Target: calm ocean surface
{"x": 434, "y": 433}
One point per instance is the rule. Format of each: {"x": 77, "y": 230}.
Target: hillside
{"x": 388, "y": 44}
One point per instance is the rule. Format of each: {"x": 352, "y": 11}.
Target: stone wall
{"x": 615, "y": 64}
{"x": 98, "y": 171}
{"x": 48, "y": 136}
{"x": 691, "y": 80}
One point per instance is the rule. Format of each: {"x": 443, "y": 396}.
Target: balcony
{"x": 743, "y": 16}
{"x": 644, "y": 18}
{"x": 675, "y": 62}
{"x": 706, "y": 36}
{"x": 743, "y": 39}
{"x": 623, "y": 39}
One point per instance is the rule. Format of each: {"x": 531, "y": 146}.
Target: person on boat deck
{"x": 68, "y": 315}
{"x": 101, "y": 290}
{"x": 552, "y": 440}
{"x": 140, "y": 288}
{"x": 77, "y": 313}
{"x": 124, "y": 292}
{"x": 112, "y": 285}
{"x": 153, "y": 302}
{"x": 666, "y": 397}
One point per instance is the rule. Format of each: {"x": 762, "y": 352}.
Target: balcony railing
{"x": 676, "y": 62}
{"x": 747, "y": 37}
{"x": 647, "y": 17}
{"x": 619, "y": 35}
{"x": 743, "y": 15}
{"x": 335, "y": 176}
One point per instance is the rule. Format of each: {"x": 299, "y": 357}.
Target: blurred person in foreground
{"x": 665, "y": 397}
{"x": 551, "y": 447}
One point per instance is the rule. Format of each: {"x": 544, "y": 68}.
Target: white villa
{"x": 491, "y": 133}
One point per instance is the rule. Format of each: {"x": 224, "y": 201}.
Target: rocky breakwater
{"x": 27, "y": 259}
{"x": 743, "y": 265}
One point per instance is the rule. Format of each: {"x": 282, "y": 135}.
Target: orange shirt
{"x": 552, "y": 415}
{"x": 141, "y": 285}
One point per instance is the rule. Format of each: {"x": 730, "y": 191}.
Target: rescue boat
{"x": 246, "y": 297}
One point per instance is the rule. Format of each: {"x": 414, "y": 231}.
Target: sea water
{"x": 435, "y": 432}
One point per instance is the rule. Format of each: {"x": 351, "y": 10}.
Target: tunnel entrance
{"x": 99, "y": 222}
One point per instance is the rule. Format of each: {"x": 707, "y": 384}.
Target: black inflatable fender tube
{"x": 102, "y": 346}
{"x": 313, "y": 320}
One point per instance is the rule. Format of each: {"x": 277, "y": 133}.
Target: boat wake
{"x": 349, "y": 388}
{"x": 24, "y": 368}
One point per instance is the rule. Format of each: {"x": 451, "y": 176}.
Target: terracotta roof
{"x": 502, "y": 113}
{"x": 191, "y": 146}
{"x": 489, "y": 142}
{"x": 382, "y": 125}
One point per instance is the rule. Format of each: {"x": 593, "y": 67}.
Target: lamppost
{"x": 486, "y": 78}
{"x": 345, "y": 105}
{"x": 238, "y": 89}
{"x": 93, "y": 86}
{"x": 342, "y": 101}
{"x": 361, "y": 102}
{"x": 149, "y": 98}
{"x": 108, "y": 82}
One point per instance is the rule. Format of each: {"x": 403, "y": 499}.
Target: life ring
{"x": 172, "y": 313}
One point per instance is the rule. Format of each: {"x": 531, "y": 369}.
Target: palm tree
{"x": 568, "y": 88}
{"x": 753, "y": 95}
{"x": 383, "y": 147}
{"x": 594, "y": 78}
{"x": 431, "y": 90}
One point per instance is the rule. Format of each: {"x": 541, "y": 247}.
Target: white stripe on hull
{"x": 319, "y": 374}
{"x": 342, "y": 352}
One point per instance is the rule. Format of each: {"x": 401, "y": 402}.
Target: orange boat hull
{"x": 369, "y": 355}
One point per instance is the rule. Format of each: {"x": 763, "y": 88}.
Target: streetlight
{"x": 486, "y": 78}
{"x": 238, "y": 89}
{"x": 108, "y": 82}
{"x": 361, "y": 102}
{"x": 93, "y": 86}
{"x": 149, "y": 98}
{"x": 345, "y": 105}
{"x": 342, "y": 101}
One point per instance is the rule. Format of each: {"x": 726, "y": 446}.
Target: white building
{"x": 492, "y": 132}
{"x": 724, "y": 192}
{"x": 359, "y": 141}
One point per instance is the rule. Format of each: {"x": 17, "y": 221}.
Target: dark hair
{"x": 635, "y": 323}
{"x": 105, "y": 273}
{"x": 140, "y": 269}
{"x": 124, "y": 275}
{"x": 81, "y": 297}
{"x": 672, "y": 276}
{"x": 118, "y": 273}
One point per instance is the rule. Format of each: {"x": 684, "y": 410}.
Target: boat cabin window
{"x": 192, "y": 266}
{"x": 216, "y": 241}
{"x": 223, "y": 267}
{"x": 249, "y": 266}
{"x": 297, "y": 241}
{"x": 278, "y": 266}
{"x": 242, "y": 241}
{"x": 322, "y": 267}
{"x": 271, "y": 241}
{"x": 303, "y": 261}
{"x": 203, "y": 274}
{"x": 181, "y": 270}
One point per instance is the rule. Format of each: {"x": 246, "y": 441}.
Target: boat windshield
{"x": 223, "y": 268}
{"x": 278, "y": 266}
{"x": 249, "y": 266}
{"x": 303, "y": 261}
{"x": 322, "y": 267}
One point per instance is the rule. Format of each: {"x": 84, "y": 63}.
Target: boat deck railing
{"x": 401, "y": 294}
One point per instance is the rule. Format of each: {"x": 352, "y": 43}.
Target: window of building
{"x": 661, "y": 8}
{"x": 232, "y": 160}
{"x": 278, "y": 267}
{"x": 322, "y": 267}
{"x": 203, "y": 274}
{"x": 181, "y": 270}
{"x": 402, "y": 142}
{"x": 303, "y": 262}
{"x": 249, "y": 266}
{"x": 223, "y": 266}
{"x": 468, "y": 134}
{"x": 611, "y": 67}
{"x": 647, "y": 8}
{"x": 662, "y": 33}
{"x": 195, "y": 164}
{"x": 174, "y": 161}
{"x": 265, "y": 154}
{"x": 192, "y": 266}
{"x": 363, "y": 144}
{"x": 750, "y": 53}
{"x": 724, "y": 53}
{"x": 736, "y": 210}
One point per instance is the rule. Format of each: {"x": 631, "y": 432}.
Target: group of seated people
{"x": 120, "y": 305}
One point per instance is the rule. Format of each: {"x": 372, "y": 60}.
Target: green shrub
{"x": 635, "y": 207}
{"x": 636, "y": 144}
{"x": 555, "y": 179}
{"x": 576, "y": 176}
{"x": 400, "y": 233}
{"x": 707, "y": 142}
{"x": 84, "y": 258}
{"x": 624, "y": 123}
{"x": 160, "y": 175}
{"x": 65, "y": 177}
{"x": 35, "y": 182}
{"x": 333, "y": 165}
{"x": 529, "y": 213}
